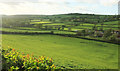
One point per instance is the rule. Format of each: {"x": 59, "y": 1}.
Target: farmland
{"x": 74, "y": 41}
{"x": 72, "y": 53}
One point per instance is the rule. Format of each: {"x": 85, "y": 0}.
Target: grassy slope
{"x": 66, "y": 51}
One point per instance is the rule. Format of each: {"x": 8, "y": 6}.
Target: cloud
{"x": 108, "y": 2}
{"x": 18, "y": 1}
{"x": 52, "y": 1}
{"x": 32, "y": 8}
{"x": 87, "y": 1}
{"x": 100, "y": 2}
{"x": 54, "y": 6}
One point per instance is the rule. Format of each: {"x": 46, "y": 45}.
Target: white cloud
{"x": 101, "y": 2}
{"x": 52, "y": 6}
{"x": 87, "y": 1}
{"x": 52, "y": 0}
{"x": 109, "y": 2}
{"x": 18, "y": 0}
{"x": 32, "y": 8}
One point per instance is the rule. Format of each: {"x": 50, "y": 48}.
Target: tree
{"x": 79, "y": 33}
{"x": 113, "y": 37}
{"x": 107, "y": 33}
{"x": 39, "y": 26}
{"x": 46, "y": 27}
{"x": 63, "y": 26}
{"x": 91, "y": 33}
{"x": 99, "y": 34}
{"x": 58, "y": 28}
{"x": 52, "y": 32}
{"x": 101, "y": 28}
{"x": 83, "y": 32}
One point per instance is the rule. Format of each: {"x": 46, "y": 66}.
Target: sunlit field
{"x": 67, "y": 52}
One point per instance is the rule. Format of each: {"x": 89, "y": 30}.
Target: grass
{"x": 63, "y": 32}
{"x": 83, "y": 27}
{"x": 66, "y": 51}
{"x": 39, "y": 22}
{"x": 88, "y": 24}
{"x": 113, "y": 22}
{"x": 114, "y": 27}
{"x": 107, "y": 25}
{"x": 53, "y": 24}
{"x": 25, "y": 30}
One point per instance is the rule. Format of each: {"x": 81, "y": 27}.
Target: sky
{"x": 50, "y": 7}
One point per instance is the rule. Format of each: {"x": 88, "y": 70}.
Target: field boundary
{"x": 51, "y": 33}
{"x": 75, "y": 36}
{"x": 26, "y": 33}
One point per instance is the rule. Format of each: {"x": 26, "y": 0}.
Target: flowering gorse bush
{"x": 13, "y": 60}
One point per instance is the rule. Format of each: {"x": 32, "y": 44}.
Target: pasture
{"x": 68, "y": 52}
{"x": 106, "y": 25}
{"x": 42, "y": 38}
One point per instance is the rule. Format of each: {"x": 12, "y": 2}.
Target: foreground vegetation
{"x": 13, "y": 60}
{"x": 67, "y": 52}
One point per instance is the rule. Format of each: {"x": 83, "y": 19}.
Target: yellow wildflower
{"x": 37, "y": 68}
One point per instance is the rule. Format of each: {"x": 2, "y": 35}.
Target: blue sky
{"x": 50, "y": 7}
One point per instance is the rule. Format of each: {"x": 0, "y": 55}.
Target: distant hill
{"x": 71, "y": 17}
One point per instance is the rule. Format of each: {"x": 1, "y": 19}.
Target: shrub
{"x": 79, "y": 33}
{"x": 91, "y": 33}
{"x": 13, "y": 60}
{"x": 52, "y": 32}
{"x": 113, "y": 38}
{"x": 107, "y": 33}
{"x": 83, "y": 32}
{"x": 98, "y": 34}
{"x": 118, "y": 40}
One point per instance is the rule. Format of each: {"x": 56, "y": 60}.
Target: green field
{"x": 42, "y": 38}
{"x": 33, "y": 30}
{"x": 39, "y": 22}
{"x": 106, "y": 25}
{"x": 53, "y": 24}
{"x": 113, "y": 22}
{"x": 66, "y": 51}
